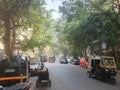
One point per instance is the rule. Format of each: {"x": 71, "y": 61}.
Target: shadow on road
{"x": 110, "y": 82}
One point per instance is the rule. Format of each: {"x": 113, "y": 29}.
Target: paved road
{"x": 72, "y": 77}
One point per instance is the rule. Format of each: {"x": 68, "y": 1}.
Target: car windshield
{"x": 108, "y": 61}
{"x": 77, "y": 59}
{"x": 34, "y": 61}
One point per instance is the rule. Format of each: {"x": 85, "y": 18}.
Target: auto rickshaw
{"x": 14, "y": 72}
{"x": 43, "y": 78}
{"x": 103, "y": 67}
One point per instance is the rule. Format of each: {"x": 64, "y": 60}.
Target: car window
{"x": 108, "y": 61}
{"x": 34, "y": 61}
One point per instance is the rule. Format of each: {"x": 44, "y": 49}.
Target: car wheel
{"x": 49, "y": 83}
{"x": 113, "y": 81}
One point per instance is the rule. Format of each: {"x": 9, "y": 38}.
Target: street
{"x": 73, "y": 77}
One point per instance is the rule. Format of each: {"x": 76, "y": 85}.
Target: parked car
{"x": 83, "y": 62}
{"x": 68, "y": 60}
{"x": 63, "y": 60}
{"x": 51, "y": 59}
{"x": 75, "y": 61}
{"x": 44, "y": 58}
{"x": 35, "y": 65}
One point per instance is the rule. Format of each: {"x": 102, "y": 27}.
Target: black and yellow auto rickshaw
{"x": 103, "y": 67}
{"x": 14, "y": 73}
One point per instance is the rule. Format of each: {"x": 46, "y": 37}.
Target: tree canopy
{"x": 92, "y": 24}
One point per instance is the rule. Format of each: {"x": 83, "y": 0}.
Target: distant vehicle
{"x": 51, "y": 59}
{"x": 13, "y": 72}
{"x": 63, "y": 60}
{"x": 83, "y": 62}
{"x": 75, "y": 61}
{"x": 43, "y": 58}
{"x": 103, "y": 67}
{"x": 68, "y": 60}
{"x": 35, "y": 65}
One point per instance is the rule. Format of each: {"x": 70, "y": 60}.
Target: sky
{"x": 54, "y": 4}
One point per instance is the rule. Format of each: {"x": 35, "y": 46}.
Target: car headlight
{"x": 1, "y": 87}
{"x": 106, "y": 70}
{"x": 116, "y": 70}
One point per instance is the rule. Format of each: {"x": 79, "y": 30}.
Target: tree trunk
{"x": 114, "y": 54}
{"x": 85, "y": 52}
{"x": 7, "y": 43}
{"x": 13, "y": 40}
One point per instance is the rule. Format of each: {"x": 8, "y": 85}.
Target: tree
{"x": 111, "y": 30}
{"x": 72, "y": 9}
{"x": 20, "y": 16}
{"x": 75, "y": 13}
{"x": 11, "y": 13}
{"x": 36, "y": 27}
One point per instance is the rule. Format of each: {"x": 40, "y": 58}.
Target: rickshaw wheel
{"x": 49, "y": 83}
{"x": 113, "y": 81}
{"x": 37, "y": 83}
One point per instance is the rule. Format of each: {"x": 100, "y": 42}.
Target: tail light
{"x": 29, "y": 88}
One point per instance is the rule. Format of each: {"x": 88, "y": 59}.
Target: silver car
{"x": 35, "y": 65}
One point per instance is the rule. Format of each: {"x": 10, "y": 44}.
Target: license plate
{"x": 9, "y": 70}
{"x": 44, "y": 81}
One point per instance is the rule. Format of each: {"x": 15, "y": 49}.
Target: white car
{"x": 35, "y": 65}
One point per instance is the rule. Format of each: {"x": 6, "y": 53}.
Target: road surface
{"x": 73, "y": 77}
